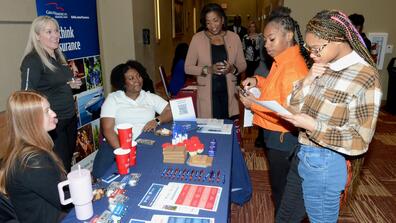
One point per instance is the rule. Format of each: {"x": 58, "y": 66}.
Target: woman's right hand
{"x": 316, "y": 71}
{"x": 75, "y": 83}
{"x": 219, "y": 68}
{"x": 249, "y": 83}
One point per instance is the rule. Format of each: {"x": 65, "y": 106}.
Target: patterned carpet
{"x": 374, "y": 199}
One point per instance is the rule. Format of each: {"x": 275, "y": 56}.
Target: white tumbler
{"x": 80, "y": 187}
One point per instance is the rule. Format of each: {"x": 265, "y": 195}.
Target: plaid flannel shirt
{"x": 344, "y": 102}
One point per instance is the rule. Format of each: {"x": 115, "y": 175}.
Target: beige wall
{"x": 116, "y": 35}
{"x": 379, "y": 16}
{"x": 245, "y": 8}
{"x": 159, "y": 53}
{"x": 15, "y": 19}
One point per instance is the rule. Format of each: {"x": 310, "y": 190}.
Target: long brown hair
{"x": 26, "y": 134}
{"x": 335, "y": 26}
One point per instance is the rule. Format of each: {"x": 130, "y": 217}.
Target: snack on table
{"x": 163, "y": 132}
{"x": 200, "y": 161}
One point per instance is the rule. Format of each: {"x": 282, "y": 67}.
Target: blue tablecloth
{"x": 228, "y": 160}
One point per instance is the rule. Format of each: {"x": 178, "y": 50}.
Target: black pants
{"x": 278, "y": 169}
{"x": 292, "y": 207}
{"x": 220, "y": 104}
{"x": 64, "y": 137}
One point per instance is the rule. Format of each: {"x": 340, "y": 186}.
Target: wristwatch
{"x": 205, "y": 70}
{"x": 158, "y": 121}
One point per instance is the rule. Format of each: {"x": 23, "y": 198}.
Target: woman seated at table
{"x": 31, "y": 171}
{"x": 128, "y": 104}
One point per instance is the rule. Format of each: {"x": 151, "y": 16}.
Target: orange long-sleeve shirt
{"x": 288, "y": 67}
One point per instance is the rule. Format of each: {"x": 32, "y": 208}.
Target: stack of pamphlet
{"x": 181, "y": 197}
{"x": 173, "y": 219}
{"x": 213, "y": 126}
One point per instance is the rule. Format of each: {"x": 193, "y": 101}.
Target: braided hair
{"x": 282, "y": 17}
{"x": 335, "y": 26}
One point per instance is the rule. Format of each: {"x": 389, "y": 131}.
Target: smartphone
{"x": 242, "y": 91}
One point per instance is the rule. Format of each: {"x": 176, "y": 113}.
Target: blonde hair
{"x": 26, "y": 134}
{"x": 33, "y": 44}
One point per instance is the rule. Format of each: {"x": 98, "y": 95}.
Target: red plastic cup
{"x": 125, "y": 135}
{"x": 132, "y": 155}
{"x": 122, "y": 160}
{"x": 132, "y": 160}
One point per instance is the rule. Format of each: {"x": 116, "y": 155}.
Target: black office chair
{"x": 164, "y": 81}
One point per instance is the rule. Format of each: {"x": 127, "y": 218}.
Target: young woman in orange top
{"x": 289, "y": 66}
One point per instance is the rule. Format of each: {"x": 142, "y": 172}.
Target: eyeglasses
{"x": 315, "y": 51}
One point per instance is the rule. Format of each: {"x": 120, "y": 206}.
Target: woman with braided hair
{"x": 289, "y": 66}
{"x": 336, "y": 108}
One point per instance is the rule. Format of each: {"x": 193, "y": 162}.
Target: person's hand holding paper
{"x": 300, "y": 120}
{"x": 248, "y": 95}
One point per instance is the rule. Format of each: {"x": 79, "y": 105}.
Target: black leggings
{"x": 292, "y": 208}
{"x": 64, "y": 137}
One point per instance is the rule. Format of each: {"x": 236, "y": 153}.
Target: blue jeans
{"x": 324, "y": 175}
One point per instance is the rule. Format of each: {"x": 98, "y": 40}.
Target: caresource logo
{"x": 56, "y": 6}
{"x": 57, "y": 12}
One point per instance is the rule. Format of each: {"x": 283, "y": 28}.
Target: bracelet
{"x": 205, "y": 70}
{"x": 157, "y": 120}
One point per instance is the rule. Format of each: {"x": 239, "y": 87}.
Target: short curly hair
{"x": 117, "y": 77}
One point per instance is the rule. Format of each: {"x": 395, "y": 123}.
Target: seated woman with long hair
{"x": 30, "y": 169}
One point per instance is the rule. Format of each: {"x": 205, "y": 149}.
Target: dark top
{"x": 251, "y": 48}
{"x": 219, "y": 54}
{"x": 178, "y": 78}
{"x": 219, "y": 84}
{"x": 51, "y": 84}
{"x": 33, "y": 190}
{"x": 241, "y": 31}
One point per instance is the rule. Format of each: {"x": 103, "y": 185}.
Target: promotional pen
{"x": 175, "y": 173}
{"x": 184, "y": 174}
{"x": 211, "y": 175}
{"x": 200, "y": 175}
{"x": 167, "y": 172}
{"x": 181, "y": 173}
{"x": 218, "y": 176}
{"x": 192, "y": 174}
{"x": 163, "y": 172}
{"x": 196, "y": 175}
{"x": 171, "y": 173}
{"x": 206, "y": 176}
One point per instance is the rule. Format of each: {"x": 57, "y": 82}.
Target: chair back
{"x": 164, "y": 81}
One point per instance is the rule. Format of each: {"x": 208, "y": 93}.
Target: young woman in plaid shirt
{"x": 336, "y": 108}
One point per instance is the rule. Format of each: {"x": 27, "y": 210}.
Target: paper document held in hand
{"x": 273, "y": 106}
